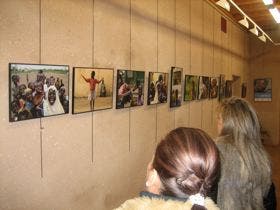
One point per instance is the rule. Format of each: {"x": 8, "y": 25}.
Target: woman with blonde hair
{"x": 245, "y": 166}
{"x": 184, "y": 168}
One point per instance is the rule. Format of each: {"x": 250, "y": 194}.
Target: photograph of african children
{"x": 157, "y": 88}
{"x": 203, "y": 87}
{"x": 222, "y": 87}
{"x": 214, "y": 87}
{"x": 130, "y": 88}
{"x": 176, "y": 86}
{"x": 228, "y": 92}
{"x": 92, "y": 89}
{"x": 191, "y": 87}
{"x": 37, "y": 90}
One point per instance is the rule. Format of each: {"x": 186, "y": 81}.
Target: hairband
{"x": 197, "y": 199}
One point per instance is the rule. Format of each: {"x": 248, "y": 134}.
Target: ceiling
{"x": 260, "y": 14}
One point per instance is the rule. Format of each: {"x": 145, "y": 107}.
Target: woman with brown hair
{"x": 184, "y": 168}
{"x": 245, "y": 167}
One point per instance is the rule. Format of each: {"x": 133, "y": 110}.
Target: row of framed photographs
{"x": 40, "y": 90}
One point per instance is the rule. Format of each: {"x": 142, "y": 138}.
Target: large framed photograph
{"x": 228, "y": 91}
{"x": 263, "y": 89}
{"x": 37, "y": 90}
{"x": 157, "y": 88}
{"x": 130, "y": 88}
{"x": 214, "y": 87}
{"x": 176, "y": 87}
{"x": 191, "y": 87}
{"x": 222, "y": 87}
{"x": 203, "y": 87}
{"x": 92, "y": 89}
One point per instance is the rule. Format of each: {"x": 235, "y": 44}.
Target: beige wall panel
{"x": 64, "y": 39}
{"x": 195, "y": 114}
{"x": 208, "y": 36}
{"x": 217, "y": 44}
{"x": 112, "y": 48}
{"x": 111, "y": 156}
{"x": 181, "y": 117}
{"x": 226, "y": 51}
{"x": 142, "y": 119}
{"x": 144, "y": 36}
{"x": 20, "y": 141}
{"x": 188, "y": 36}
{"x": 165, "y": 120}
{"x": 207, "y": 115}
{"x": 181, "y": 34}
{"x": 208, "y": 62}
{"x": 196, "y": 36}
{"x": 214, "y": 117}
{"x": 266, "y": 119}
{"x": 187, "y": 70}
{"x": 166, "y": 59}
{"x": 112, "y": 33}
{"x": 66, "y": 152}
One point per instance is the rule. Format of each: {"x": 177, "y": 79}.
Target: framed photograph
{"x": 243, "y": 90}
{"x": 92, "y": 89}
{"x": 157, "y": 88}
{"x": 37, "y": 90}
{"x": 263, "y": 89}
{"x": 191, "y": 87}
{"x": 228, "y": 91}
{"x": 176, "y": 87}
{"x": 214, "y": 87}
{"x": 203, "y": 87}
{"x": 130, "y": 88}
{"x": 222, "y": 87}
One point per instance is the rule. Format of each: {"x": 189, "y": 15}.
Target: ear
{"x": 153, "y": 182}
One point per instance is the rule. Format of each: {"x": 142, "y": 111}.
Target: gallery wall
{"x": 264, "y": 63}
{"x": 97, "y": 160}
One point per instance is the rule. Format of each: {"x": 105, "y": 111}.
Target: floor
{"x": 274, "y": 152}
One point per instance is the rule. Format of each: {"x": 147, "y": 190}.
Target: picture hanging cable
{"x": 157, "y": 71}
{"x": 92, "y": 124}
{"x": 41, "y": 147}
{"x": 40, "y": 61}
{"x": 175, "y": 49}
{"x": 129, "y": 129}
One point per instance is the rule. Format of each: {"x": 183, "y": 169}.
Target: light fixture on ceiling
{"x": 262, "y": 37}
{"x": 268, "y": 2}
{"x": 224, "y": 4}
{"x": 275, "y": 13}
{"x": 244, "y": 22}
{"x": 254, "y": 30}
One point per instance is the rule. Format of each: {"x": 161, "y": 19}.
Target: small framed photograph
{"x": 92, "y": 89}
{"x": 214, "y": 87}
{"x": 222, "y": 87}
{"x": 191, "y": 87}
{"x": 157, "y": 88}
{"x": 263, "y": 89}
{"x": 228, "y": 91}
{"x": 130, "y": 88}
{"x": 37, "y": 90}
{"x": 203, "y": 87}
{"x": 243, "y": 90}
{"x": 176, "y": 87}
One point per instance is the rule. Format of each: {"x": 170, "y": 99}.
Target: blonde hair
{"x": 241, "y": 128}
